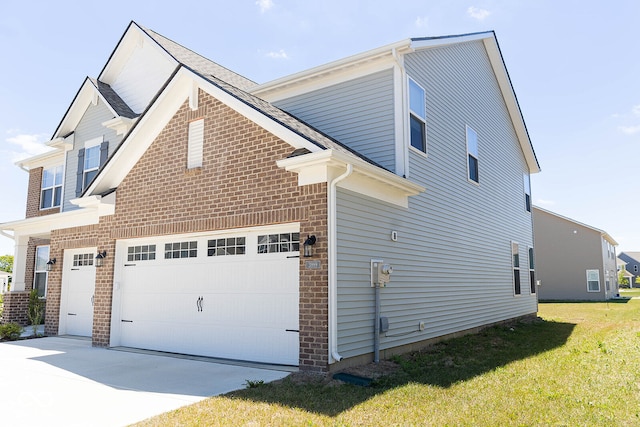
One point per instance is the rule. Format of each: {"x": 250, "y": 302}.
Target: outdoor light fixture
{"x": 50, "y": 264}
{"x": 100, "y": 258}
{"x": 308, "y": 246}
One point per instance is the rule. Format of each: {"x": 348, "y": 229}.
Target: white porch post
{"x": 19, "y": 263}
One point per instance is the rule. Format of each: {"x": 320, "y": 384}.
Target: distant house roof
{"x": 634, "y": 255}
{"x": 603, "y": 233}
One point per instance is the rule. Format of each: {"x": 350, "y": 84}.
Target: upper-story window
{"x": 527, "y": 192}
{"x": 472, "y": 155}
{"x": 417, "y": 116}
{"x": 91, "y": 164}
{"x": 90, "y": 159}
{"x": 51, "y": 194}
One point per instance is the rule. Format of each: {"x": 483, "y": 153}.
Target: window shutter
{"x": 80, "y": 172}
{"x": 196, "y": 140}
{"x": 104, "y": 152}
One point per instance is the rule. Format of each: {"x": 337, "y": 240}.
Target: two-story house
{"x": 188, "y": 209}
{"x": 632, "y": 260}
{"x": 575, "y": 261}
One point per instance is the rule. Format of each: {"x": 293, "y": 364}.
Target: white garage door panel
{"x": 235, "y": 306}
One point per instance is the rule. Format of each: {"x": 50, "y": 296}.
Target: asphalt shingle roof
{"x": 120, "y": 107}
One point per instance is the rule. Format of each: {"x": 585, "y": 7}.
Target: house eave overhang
{"x": 384, "y": 54}
{"x": 43, "y": 225}
{"x": 365, "y": 179}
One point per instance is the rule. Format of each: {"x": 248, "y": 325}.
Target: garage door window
{"x": 284, "y": 242}
{"x": 141, "y": 253}
{"x": 228, "y": 246}
{"x": 82, "y": 260}
{"x": 181, "y": 250}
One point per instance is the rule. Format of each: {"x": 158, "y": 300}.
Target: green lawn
{"x": 635, "y": 292}
{"x": 580, "y": 365}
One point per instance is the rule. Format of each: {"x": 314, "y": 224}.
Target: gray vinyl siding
{"x": 452, "y": 261}
{"x": 358, "y": 113}
{"x": 89, "y": 127}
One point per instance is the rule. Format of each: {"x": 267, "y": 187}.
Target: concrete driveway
{"x": 59, "y": 381}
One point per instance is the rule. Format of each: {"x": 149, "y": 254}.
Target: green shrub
{"x": 36, "y": 311}
{"x": 10, "y": 331}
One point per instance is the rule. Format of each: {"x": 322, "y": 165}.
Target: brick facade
{"x": 238, "y": 185}
{"x": 33, "y": 195}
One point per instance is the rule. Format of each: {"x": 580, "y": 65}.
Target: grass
{"x": 635, "y": 292}
{"x": 580, "y": 365}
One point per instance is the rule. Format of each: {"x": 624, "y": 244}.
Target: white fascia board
{"x": 366, "y": 178}
{"x": 42, "y": 225}
{"x": 133, "y": 38}
{"x": 445, "y": 41}
{"x": 163, "y": 109}
{"x": 54, "y": 157}
{"x": 344, "y": 67}
{"x": 509, "y": 96}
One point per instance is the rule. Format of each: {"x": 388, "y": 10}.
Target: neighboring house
{"x": 4, "y": 281}
{"x": 633, "y": 265}
{"x": 622, "y": 271}
{"x": 173, "y": 211}
{"x": 574, "y": 261}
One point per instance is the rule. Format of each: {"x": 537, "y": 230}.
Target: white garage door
{"x": 231, "y": 295}
{"x": 78, "y": 285}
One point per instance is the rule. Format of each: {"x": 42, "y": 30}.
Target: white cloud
{"x": 27, "y": 146}
{"x": 477, "y": 13}
{"x": 264, "y": 5}
{"x": 629, "y": 130}
{"x": 422, "y": 21}
{"x": 636, "y": 110}
{"x": 281, "y": 54}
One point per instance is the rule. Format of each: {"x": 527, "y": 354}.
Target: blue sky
{"x": 575, "y": 67}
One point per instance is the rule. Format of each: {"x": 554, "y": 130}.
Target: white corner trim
{"x": 193, "y": 97}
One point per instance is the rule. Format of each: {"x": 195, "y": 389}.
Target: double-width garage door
{"x": 231, "y": 295}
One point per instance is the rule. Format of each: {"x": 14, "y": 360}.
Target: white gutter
{"x": 5, "y": 234}
{"x": 333, "y": 270}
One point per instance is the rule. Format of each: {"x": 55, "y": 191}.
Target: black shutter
{"x": 104, "y": 152}
{"x": 80, "y": 173}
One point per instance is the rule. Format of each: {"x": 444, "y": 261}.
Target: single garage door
{"x": 232, "y": 295}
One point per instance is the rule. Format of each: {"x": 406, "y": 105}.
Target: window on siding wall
{"x": 515, "y": 256}
{"x": 51, "y": 194}
{"x": 532, "y": 271}
{"x": 40, "y": 273}
{"x": 91, "y": 164}
{"x": 593, "y": 280}
{"x": 90, "y": 160}
{"x": 527, "y": 192}
{"x": 196, "y": 140}
{"x": 472, "y": 155}
{"x": 417, "y": 116}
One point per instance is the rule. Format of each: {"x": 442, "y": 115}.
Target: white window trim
{"x": 526, "y": 182}
{"x": 35, "y": 270}
{"x": 598, "y": 273}
{"x": 514, "y": 268}
{"x": 477, "y": 157}
{"x": 95, "y": 142}
{"x": 416, "y": 115}
{"x": 53, "y": 188}
{"x": 195, "y": 144}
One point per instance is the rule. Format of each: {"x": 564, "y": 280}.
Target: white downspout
{"x": 333, "y": 269}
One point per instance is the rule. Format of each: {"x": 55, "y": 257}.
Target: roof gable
{"x": 88, "y": 94}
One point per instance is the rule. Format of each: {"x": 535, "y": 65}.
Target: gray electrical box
{"x": 384, "y": 324}
{"x": 380, "y": 273}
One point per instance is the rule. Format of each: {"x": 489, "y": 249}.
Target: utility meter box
{"x": 380, "y": 273}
